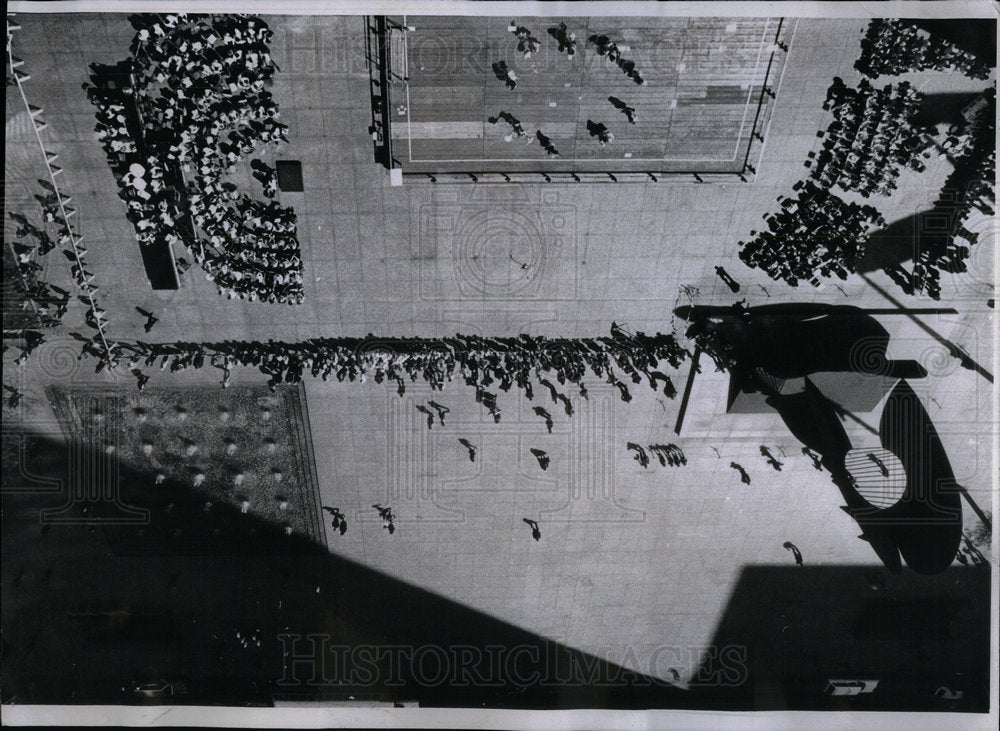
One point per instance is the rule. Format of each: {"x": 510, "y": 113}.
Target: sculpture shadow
{"x": 795, "y": 340}
{"x": 925, "y": 525}
{"x": 763, "y": 347}
{"x": 937, "y": 109}
{"x": 902, "y": 240}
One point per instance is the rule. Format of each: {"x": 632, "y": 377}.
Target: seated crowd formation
{"x": 894, "y": 46}
{"x": 816, "y": 234}
{"x": 874, "y": 135}
{"x": 871, "y": 137}
{"x": 968, "y": 189}
{"x": 175, "y": 120}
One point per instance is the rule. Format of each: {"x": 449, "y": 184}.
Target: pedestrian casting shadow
{"x": 797, "y": 627}
{"x": 377, "y": 638}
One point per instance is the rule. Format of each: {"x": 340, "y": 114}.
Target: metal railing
{"x": 378, "y": 43}
{"x": 379, "y": 74}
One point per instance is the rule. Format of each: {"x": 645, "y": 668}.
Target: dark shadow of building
{"x": 799, "y": 627}
{"x": 88, "y": 609}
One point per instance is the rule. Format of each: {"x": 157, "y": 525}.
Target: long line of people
{"x": 892, "y": 46}
{"x": 482, "y": 362}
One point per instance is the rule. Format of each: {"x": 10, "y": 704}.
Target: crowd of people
{"x": 149, "y": 192}
{"x": 969, "y": 188}
{"x": 892, "y": 46}
{"x": 872, "y": 136}
{"x": 481, "y": 362}
{"x": 48, "y": 301}
{"x": 262, "y": 253}
{"x": 875, "y": 134}
{"x": 975, "y": 168}
{"x": 195, "y": 107}
{"x": 815, "y": 234}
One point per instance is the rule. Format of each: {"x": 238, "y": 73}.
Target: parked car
{"x": 159, "y": 688}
